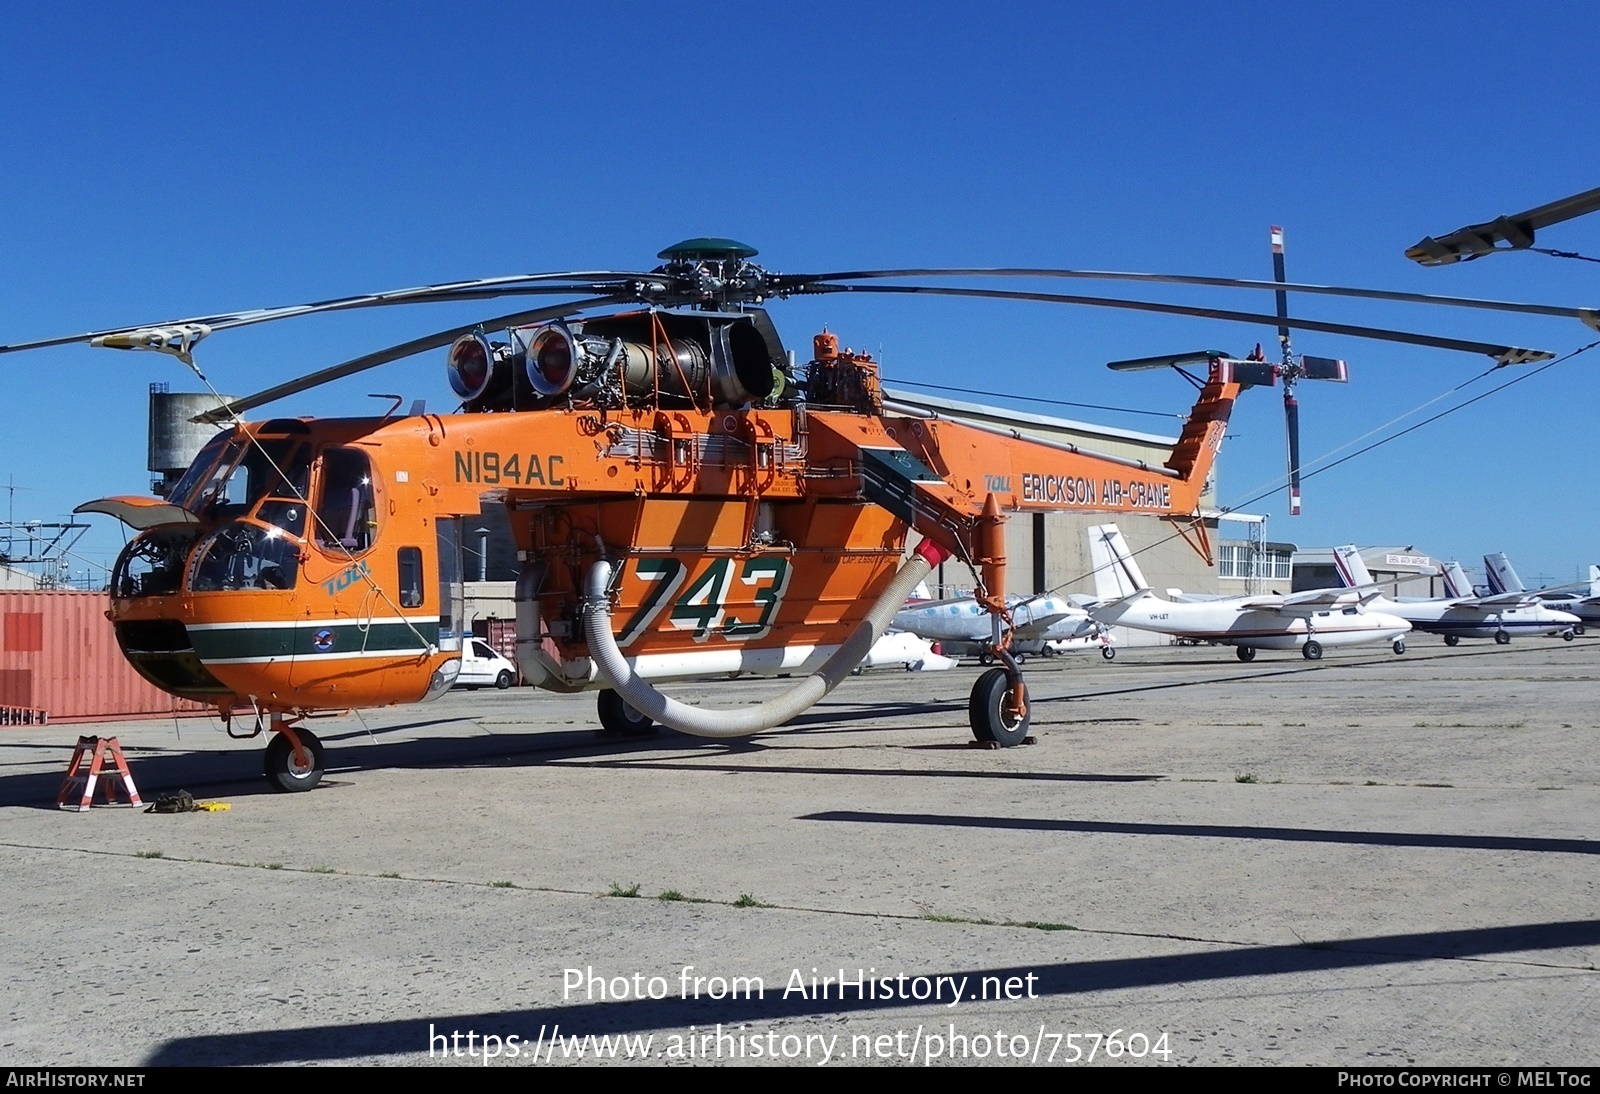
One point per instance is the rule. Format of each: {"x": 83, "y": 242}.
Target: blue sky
{"x": 167, "y": 160}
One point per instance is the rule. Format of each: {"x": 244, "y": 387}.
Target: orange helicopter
{"x": 685, "y": 500}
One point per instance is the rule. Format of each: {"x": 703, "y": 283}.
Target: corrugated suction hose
{"x": 709, "y": 722}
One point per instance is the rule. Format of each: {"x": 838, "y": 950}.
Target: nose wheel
{"x": 293, "y": 761}
{"x": 992, "y": 711}
{"x": 1399, "y": 646}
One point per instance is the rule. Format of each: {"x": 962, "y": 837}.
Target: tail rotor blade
{"x": 1291, "y": 418}
{"x": 1282, "y": 296}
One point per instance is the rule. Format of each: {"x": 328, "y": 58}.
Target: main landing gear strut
{"x": 998, "y": 707}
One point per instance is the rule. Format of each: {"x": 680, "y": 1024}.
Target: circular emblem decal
{"x": 323, "y": 640}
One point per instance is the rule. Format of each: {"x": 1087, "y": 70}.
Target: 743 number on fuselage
{"x": 736, "y": 599}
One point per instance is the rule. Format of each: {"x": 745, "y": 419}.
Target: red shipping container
{"x": 59, "y": 656}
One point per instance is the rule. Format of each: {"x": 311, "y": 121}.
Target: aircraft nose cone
{"x": 1389, "y": 622}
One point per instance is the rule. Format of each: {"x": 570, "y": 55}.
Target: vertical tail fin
{"x": 1116, "y": 575}
{"x": 1456, "y": 583}
{"x": 1594, "y": 580}
{"x": 1351, "y": 568}
{"x": 1502, "y": 578}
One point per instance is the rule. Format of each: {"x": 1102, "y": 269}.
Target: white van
{"x": 482, "y": 667}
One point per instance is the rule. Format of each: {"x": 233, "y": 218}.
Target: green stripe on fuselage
{"x": 301, "y": 640}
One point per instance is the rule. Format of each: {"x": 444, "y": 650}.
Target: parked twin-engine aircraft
{"x": 1308, "y": 621}
{"x": 1460, "y": 615}
{"x": 1044, "y": 625}
{"x": 1502, "y": 578}
{"x": 1583, "y": 602}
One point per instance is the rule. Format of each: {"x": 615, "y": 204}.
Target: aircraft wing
{"x": 1500, "y": 600}
{"x": 1035, "y": 627}
{"x": 1321, "y": 600}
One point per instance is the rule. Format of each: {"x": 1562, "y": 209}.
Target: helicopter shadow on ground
{"x": 652, "y": 764}
{"x": 675, "y": 1015}
{"x": 237, "y": 772}
{"x": 1428, "y": 840}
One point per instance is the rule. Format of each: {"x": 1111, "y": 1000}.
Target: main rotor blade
{"x": 395, "y": 353}
{"x": 1507, "y": 355}
{"x": 800, "y": 282}
{"x": 1516, "y": 231}
{"x": 478, "y": 289}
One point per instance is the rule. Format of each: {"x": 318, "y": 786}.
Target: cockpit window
{"x": 243, "y": 555}
{"x": 246, "y": 472}
{"x": 152, "y": 565}
{"x": 347, "y": 507}
{"x": 210, "y": 459}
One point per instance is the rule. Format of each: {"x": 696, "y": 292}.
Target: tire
{"x": 1108, "y": 652}
{"x": 1502, "y": 638}
{"x": 1245, "y": 653}
{"x": 1312, "y": 650}
{"x": 985, "y": 658}
{"x": 282, "y": 772}
{"x": 1452, "y": 640}
{"x": 616, "y": 716}
{"x": 1399, "y": 646}
{"x": 1578, "y": 629}
{"x": 1568, "y": 634}
{"x": 986, "y": 711}
{"x": 504, "y": 680}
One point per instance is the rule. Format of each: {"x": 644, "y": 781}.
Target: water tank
{"x": 174, "y": 439}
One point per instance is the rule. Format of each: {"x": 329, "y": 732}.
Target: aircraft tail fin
{"x": 1351, "y": 568}
{"x": 1456, "y": 582}
{"x": 1116, "y": 574}
{"x": 1501, "y": 577}
{"x": 1594, "y": 580}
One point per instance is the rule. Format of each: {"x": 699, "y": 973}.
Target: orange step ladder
{"x": 105, "y": 759}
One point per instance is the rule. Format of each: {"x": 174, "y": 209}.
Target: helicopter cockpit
{"x": 248, "y": 520}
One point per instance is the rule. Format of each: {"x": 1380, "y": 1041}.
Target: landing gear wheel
{"x": 1567, "y": 635}
{"x": 1399, "y": 645}
{"x": 986, "y": 710}
{"x": 1502, "y": 638}
{"x": 504, "y": 680}
{"x": 985, "y": 658}
{"x": 1108, "y": 652}
{"x": 620, "y": 718}
{"x": 1245, "y": 653}
{"x": 1312, "y": 650}
{"x": 1578, "y": 629}
{"x": 1452, "y": 640}
{"x": 284, "y": 772}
